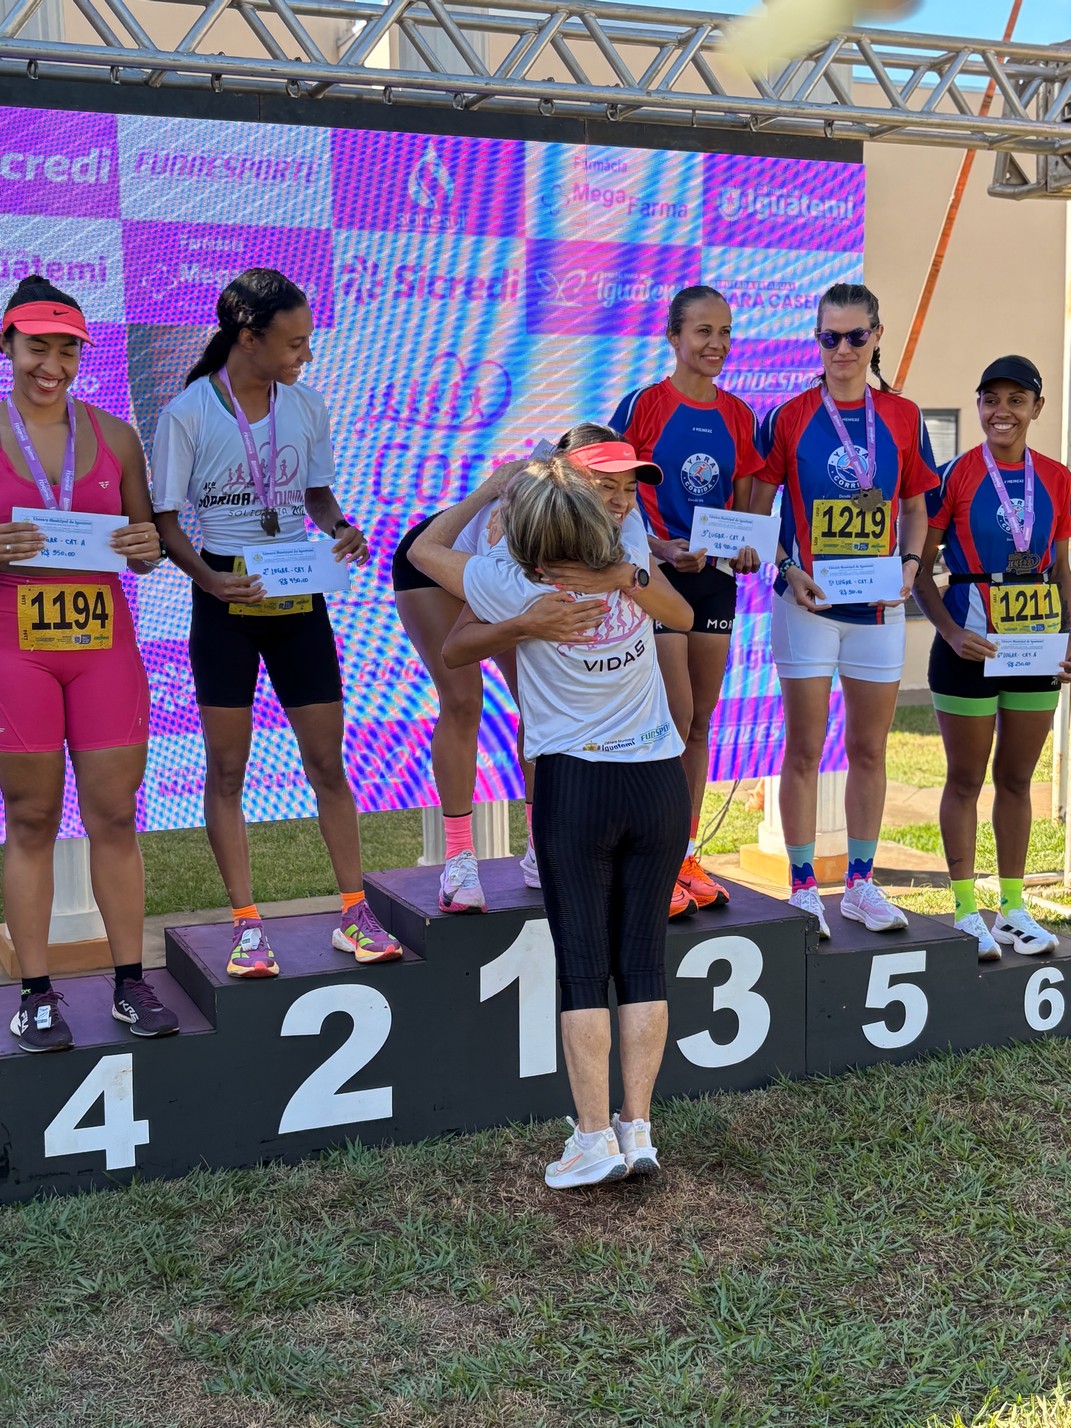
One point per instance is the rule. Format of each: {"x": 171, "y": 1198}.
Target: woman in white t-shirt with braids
{"x": 249, "y": 448}
{"x": 611, "y": 804}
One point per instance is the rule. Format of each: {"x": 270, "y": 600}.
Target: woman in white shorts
{"x": 855, "y": 464}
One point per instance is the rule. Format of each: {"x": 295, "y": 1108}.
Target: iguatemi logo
{"x": 562, "y": 289}
{"x": 431, "y": 192}
{"x": 699, "y": 474}
{"x": 763, "y": 201}
{"x": 1017, "y": 505}
{"x": 840, "y": 469}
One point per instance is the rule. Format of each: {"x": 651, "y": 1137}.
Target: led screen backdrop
{"x": 471, "y": 296}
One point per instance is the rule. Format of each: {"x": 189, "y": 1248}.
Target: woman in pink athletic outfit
{"x": 70, "y": 671}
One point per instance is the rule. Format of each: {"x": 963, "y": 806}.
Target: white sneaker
{"x": 587, "y": 1165}
{"x": 530, "y": 868}
{"x": 459, "y": 885}
{"x": 1019, "y": 930}
{"x": 634, "y": 1138}
{"x": 973, "y": 926}
{"x": 809, "y": 900}
{"x": 865, "y": 902}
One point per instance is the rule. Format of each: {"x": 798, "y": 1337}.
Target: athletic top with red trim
{"x": 702, "y": 448}
{"x": 805, "y": 454}
{"x": 978, "y": 539}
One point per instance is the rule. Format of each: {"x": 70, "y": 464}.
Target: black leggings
{"x": 609, "y": 838}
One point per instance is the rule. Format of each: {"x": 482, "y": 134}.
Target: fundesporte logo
{"x": 841, "y": 471}
{"x": 451, "y": 394}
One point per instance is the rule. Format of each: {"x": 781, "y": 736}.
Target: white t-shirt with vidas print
{"x": 198, "y": 457}
{"x": 603, "y": 701}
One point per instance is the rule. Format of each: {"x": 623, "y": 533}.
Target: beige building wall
{"x": 1002, "y": 287}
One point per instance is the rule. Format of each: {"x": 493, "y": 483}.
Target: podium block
{"x": 889, "y": 996}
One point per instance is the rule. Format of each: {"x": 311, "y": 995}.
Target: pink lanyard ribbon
{"x": 862, "y": 472}
{"x": 1021, "y": 531}
{"x": 265, "y": 489}
{"x": 33, "y": 461}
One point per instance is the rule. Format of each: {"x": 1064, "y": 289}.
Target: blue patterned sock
{"x": 801, "y": 865}
{"x": 860, "y": 859}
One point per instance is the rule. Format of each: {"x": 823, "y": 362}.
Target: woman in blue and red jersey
{"x": 855, "y": 464}
{"x": 706, "y": 442}
{"x": 1003, "y": 514}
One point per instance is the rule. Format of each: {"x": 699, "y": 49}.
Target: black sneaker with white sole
{"x": 38, "y": 1024}
{"x": 138, "y": 1005}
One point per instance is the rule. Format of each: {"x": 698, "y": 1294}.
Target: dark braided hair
{"x": 35, "y": 288}
{"x": 856, "y": 295}
{"x": 683, "y": 301}
{"x": 250, "y": 301}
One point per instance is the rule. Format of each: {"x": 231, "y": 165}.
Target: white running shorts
{"x": 810, "y": 646}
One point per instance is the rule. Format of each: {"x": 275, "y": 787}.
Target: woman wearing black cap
{"x": 1003, "y": 515}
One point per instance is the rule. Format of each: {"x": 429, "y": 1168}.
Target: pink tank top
{"x": 98, "y": 492}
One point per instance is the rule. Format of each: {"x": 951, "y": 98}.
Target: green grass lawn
{"x": 884, "y": 1250}
{"x": 916, "y": 756}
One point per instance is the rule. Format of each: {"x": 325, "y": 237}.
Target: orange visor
{"x": 616, "y": 456}
{"x": 37, "y": 319}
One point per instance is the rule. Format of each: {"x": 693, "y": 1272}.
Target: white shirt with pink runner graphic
{"x": 198, "y": 456}
{"x": 603, "y": 701}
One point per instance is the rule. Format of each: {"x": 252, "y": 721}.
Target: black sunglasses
{"x": 858, "y": 337}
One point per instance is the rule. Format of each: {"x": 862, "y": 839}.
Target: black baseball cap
{"x": 1019, "y": 370}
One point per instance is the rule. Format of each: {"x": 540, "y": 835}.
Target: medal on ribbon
{"x": 264, "y": 487}
{"x": 868, "y": 495}
{"x": 1022, "y": 560}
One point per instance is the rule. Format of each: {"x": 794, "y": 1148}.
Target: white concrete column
{"x": 75, "y": 917}
{"x": 832, "y": 833}
{"x": 1061, "y": 753}
{"x": 490, "y": 832}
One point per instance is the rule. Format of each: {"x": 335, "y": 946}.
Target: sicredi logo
{"x": 364, "y": 280}
{"x": 26, "y": 166}
{"x": 766, "y": 201}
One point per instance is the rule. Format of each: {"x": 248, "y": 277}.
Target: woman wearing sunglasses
{"x": 855, "y": 464}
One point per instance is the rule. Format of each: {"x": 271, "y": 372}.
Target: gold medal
{"x": 868, "y": 497}
{"x": 1022, "y": 562}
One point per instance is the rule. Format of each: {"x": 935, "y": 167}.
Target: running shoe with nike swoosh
{"x": 587, "y": 1165}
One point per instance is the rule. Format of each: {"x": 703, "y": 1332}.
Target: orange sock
{"x": 245, "y": 914}
{"x": 350, "y": 900}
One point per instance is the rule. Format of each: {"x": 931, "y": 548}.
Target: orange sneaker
{"x": 682, "y": 903}
{"x": 695, "y": 879}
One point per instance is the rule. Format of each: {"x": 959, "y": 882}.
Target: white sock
{"x": 589, "y": 1138}
{"x": 691, "y": 848}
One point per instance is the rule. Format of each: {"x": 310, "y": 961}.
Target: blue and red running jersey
{"x": 805, "y": 455}
{"x": 978, "y": 540}
{"x": 702, "y": 448}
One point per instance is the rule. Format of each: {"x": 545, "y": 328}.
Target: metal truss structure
{"x": 666, "y": 70}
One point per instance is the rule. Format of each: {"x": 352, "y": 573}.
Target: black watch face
{"x": 643, "y": 578}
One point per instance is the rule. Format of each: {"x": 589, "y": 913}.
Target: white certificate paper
{"x": 860, "y": 582}
{"x": 75, "y": 540}
{"x": 1025, "y": 654}
{"x": 725, "y": 533}
{"x": 299, "y": 567}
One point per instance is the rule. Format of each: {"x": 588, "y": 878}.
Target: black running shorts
{"x": 712, "y": 596}
{"x": 298, "y": 651}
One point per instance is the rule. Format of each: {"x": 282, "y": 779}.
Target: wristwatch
{"x": 341, "y": 524}
{"x": 640, "y": 578}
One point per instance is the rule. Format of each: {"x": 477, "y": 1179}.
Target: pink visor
{"x": 616, "y": 456}
{"x": 37, "y": 319}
